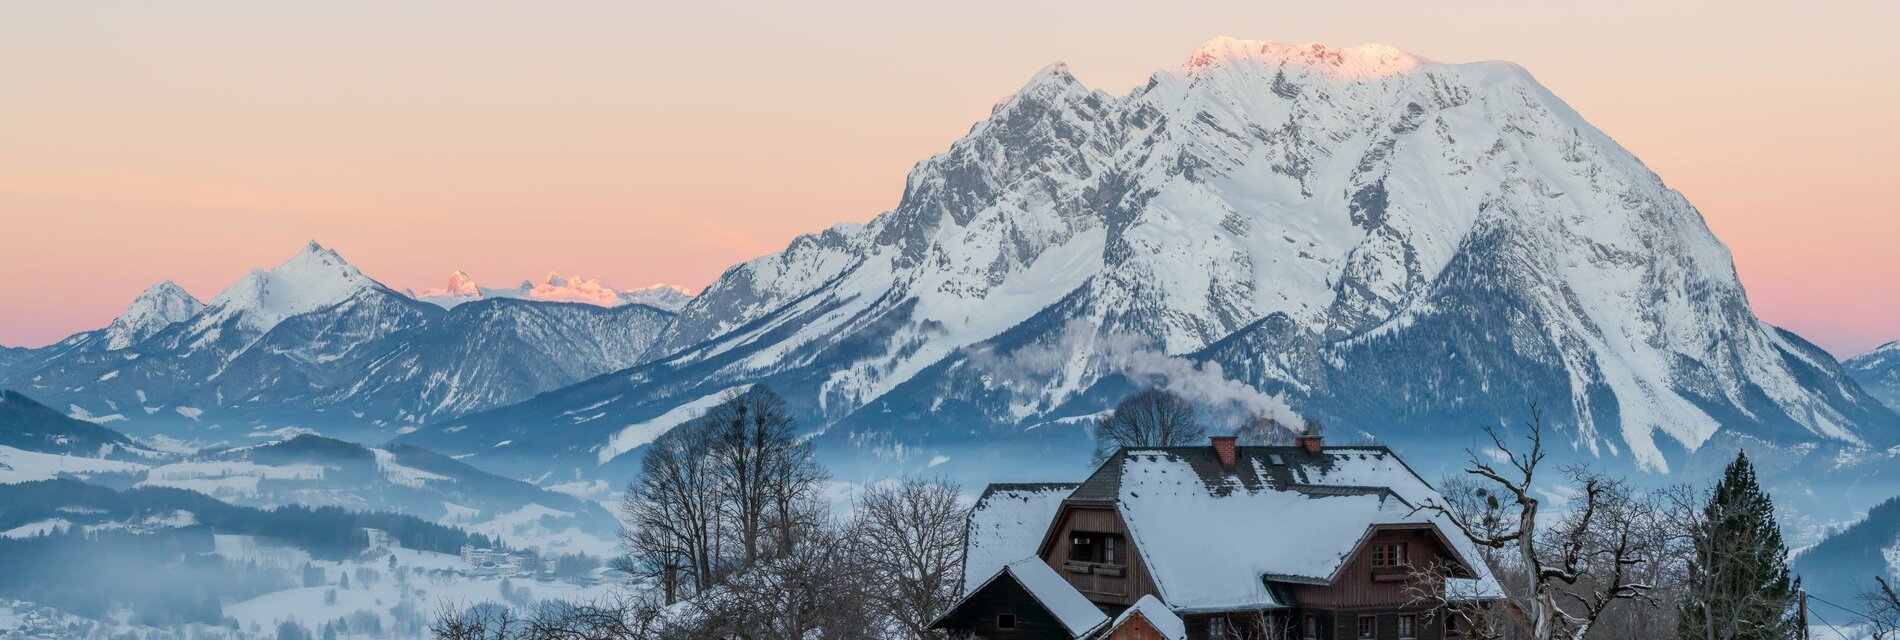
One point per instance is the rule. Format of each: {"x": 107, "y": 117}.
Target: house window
{"x": 1368, "y": 626}
{"x": 1216, "y": 627}
{"x": 1310, "y": 630}
{"x": 1105, "y": 548}
{"x": 1408, "y": 626}
{"x": 1388, "y": 555}
{"x": 1005, "y": 621}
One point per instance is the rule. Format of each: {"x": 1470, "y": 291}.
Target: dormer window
{"x": 1388, "y": 555}
{"x": 1100, "y": 548}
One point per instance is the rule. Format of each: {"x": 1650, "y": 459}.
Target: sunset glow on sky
{"x": 662, "y": 142}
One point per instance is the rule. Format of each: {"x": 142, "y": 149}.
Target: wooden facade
{"x": 982, "y": 614}
{"x": 1136, "y": 627}
{"x": 1112, "y": 585}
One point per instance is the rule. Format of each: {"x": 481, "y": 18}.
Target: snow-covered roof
{"x": 1007, "y": 524}
{"x": 1068, "y": 605}
{"x": 1278, "y": 515}
{"x": 1219, "y": 538}
{"x": 1158, "y": 615}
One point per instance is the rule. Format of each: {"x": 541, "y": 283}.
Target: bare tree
{"x": 1151, "y": 418}
{"x": 1883, "y": 610}
{"x": 1578, "y": 566}
{"x": 911, "y": 533}
{"x": 768, "y": 477}
{"x": 670, "y": 515}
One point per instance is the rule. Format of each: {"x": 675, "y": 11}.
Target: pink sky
{"x": 637, "y": 143}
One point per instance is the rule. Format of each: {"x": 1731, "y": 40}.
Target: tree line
{"x": 325, "y": 532}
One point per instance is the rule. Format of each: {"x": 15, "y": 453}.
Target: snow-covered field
{"x": 26, "y": 466}
{"x": 411, "y": 593}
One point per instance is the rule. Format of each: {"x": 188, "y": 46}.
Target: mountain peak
{"x": 159, "y": 306}
{"x": 314, "y": 278}
{"x": 1362, "y": 62}
{"x": 1048, "y": 82}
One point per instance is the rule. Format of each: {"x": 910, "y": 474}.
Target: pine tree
{"x": 1739, "y": 584}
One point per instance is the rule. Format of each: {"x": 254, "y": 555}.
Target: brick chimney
{"x": 1224, "y": 449}
{"x": 1310, "y": 442}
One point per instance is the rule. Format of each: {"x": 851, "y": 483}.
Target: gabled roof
{"x": 1069, "y": 607}
{"x": 1218, "y": 538}
{"x": 1006, "y": 524}
{"x": 1157, "y": 615}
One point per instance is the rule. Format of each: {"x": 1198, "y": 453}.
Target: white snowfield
{"x": 226, "y": 479}
{"x": 633, "y": 436}
{"x": 428, "y": 584}
{"x": 26, "y": 466}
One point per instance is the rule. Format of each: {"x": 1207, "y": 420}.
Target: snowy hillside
{"x": 1842, "y": 566}
{"x": 38, "y": 443}
{"x": 1394, "y": 245}
{"x": 26, "y": 425}
{"x": 1878, "y": 372}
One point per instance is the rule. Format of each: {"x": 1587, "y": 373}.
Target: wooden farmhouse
{"x": 1219, "y": 541}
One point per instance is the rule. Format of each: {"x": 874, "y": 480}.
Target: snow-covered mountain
{"x": 1397, "y": 246}
{"x": 491, "y": 353}
{"x": 558, "y": 288}
{"x": 1878, "y": 372}
{"x": 315, "y": 343}
{"x": 160, "y": 306}
{"x": 313, "y": 279}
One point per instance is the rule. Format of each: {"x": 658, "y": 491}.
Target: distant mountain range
{"x": 558, "y": 288}
{"x": 313, "y": 342}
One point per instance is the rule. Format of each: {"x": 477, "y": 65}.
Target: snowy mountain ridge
{"x": 557, "y": 288}
{"x": 315, "y": 343}
{"x": 1369, "y": 237}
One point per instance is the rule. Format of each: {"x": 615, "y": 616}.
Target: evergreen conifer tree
{"x": 1739, "y": 584}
